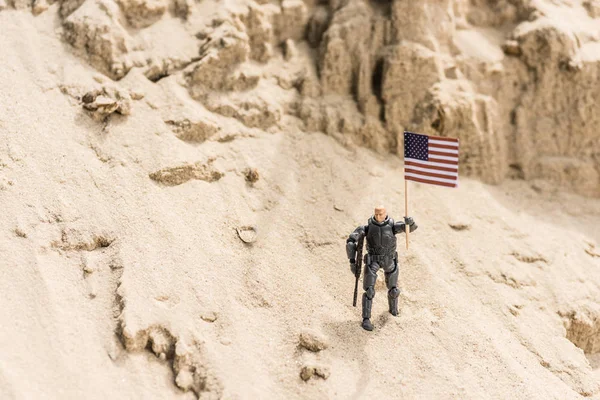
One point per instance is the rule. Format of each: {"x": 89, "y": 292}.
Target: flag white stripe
{"x": 436, "y": 157}
{"x": 426, "y": 163}
{"x": 445, "y": 143}
{"x": 436, "y": 171}
{"x": 443, "y": 150}
{"x": 431, "y": 178}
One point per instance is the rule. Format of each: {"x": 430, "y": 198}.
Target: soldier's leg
{"x": 391, "y": 281}
{"x": 369, "y": 279}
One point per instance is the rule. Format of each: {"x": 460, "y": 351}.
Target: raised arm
{"x": 400, "y": 227}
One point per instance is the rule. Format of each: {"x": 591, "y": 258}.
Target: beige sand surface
{"x": 127, "y": 130}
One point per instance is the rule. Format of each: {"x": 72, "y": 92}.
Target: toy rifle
{"x": 358, "y": 267}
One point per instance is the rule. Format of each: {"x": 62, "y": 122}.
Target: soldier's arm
{"x": 352, "y": 242}
{"x": 400, "y": 227}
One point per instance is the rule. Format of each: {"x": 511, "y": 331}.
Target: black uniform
{"x": 381, "y": 249}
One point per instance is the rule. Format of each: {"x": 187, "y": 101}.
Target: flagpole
{"x": 407, "y": 228}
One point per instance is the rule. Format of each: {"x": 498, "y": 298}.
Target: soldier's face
{"x": 380, "y": 214}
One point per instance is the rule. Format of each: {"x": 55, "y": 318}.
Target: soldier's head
{"x": 380, "y": 213}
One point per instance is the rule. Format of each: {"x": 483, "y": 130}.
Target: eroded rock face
{"x": 396, "y": 68}
{"x": 252, "y": 111}
{"x": 94, "y": 30}
{"x": 260, "y": 33}
{"x": 344, "y": 46}
{"x": 143, "y": 13}
{"x": 317, "y": 25}
{"x": 409, "y": 71}
{"x": 68, "y": 6}
{"x": 451, "y": 109}
{"x": 564, "y": 80}
{"x": 396, "y": 61}
{"x": 226, "y": 46}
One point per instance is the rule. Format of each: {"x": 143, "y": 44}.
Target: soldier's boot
{"x": 393, "y": 294}
{"x": 367, "y": 302}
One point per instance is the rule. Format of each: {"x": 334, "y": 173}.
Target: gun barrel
{"x": 358, "y": 268}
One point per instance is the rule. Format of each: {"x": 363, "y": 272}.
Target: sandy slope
{"x": 122, "y": 274}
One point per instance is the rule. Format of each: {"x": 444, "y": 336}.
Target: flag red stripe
{"x": 414, "y": 164}
{"x": 414, "y": 171}
{"x": 410, "y": 178}
{"x": 447, "y": 139}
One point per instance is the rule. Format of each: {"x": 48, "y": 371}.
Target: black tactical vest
{"x": 380, "y": 237}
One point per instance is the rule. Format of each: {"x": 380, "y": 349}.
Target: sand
{"x": 141, "y": 141}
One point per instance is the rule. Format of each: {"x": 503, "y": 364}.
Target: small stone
{"x": 162, "y": 356}
{"x": 136, "y": 95}
{"x": 337, "y": 208}
{"x": 20, "y": 233}
{"x": 104, "y": 101}
{"x": 89, "y": 97}
{"x": 323, "y": 372}
{"x": 181, "y": 349}
{"x": 459, "y": 226}
{"x": 313, "y": 341}
{"x": 185, "y": 380}
{"x": 251, "y": 175}
{"x": 161, "y": 341}
{"x": 225, "y": 341}
{"x": 307, "y": 372}
{"x": 511, "y": 48}
{"x": 210, "y": 316}
{"x": 87, "y": 268}
{"x": 247, "y": 234}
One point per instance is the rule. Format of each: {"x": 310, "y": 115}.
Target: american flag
{"x": 431, "y": 159}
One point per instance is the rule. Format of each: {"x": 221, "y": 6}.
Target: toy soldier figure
{"x": 381, "y": 248}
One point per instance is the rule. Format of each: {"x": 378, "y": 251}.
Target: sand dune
{"x": 141, "y": 141}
